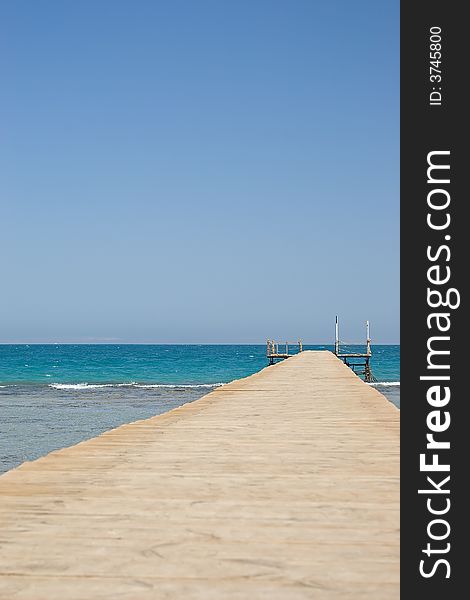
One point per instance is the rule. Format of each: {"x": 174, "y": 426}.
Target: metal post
{"x": 368, "y": 337}
{"x": 336, "y": 337}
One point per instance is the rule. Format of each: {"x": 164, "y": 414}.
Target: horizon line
{"x": 104, "y": 343}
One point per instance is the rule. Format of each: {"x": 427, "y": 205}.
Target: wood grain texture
{"x": 283, "y": 485}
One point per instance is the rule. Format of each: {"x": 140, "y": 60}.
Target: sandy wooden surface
{"x": 283, "y": 485}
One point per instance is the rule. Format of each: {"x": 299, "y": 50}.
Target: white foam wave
{"x": 79, "y": 386}
{"x": 92, "y": 386}
{"x": 385, "y": 383}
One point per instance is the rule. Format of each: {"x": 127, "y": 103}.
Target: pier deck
{"x": 283, "y": 485}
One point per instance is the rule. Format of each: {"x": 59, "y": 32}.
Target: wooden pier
{"x": 280, "y": 486}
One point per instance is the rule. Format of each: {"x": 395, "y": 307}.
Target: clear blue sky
{"x": 198, "y": 171}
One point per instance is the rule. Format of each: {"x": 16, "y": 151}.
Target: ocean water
{"x": 52, "y": 396}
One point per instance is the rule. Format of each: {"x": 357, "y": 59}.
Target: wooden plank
{"x": 281, "y": 485}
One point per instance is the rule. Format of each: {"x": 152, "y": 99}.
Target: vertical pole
{"x": 367, "y": 372}
{"x": 336, "y": 337}
{"x": 368, "y": 337}
{"x": 300, "y": 345}
{"x": 287, "y": 347}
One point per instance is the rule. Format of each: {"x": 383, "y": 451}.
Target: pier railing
{"x": 359, "y": 362}
{"x": 281, "y": 350}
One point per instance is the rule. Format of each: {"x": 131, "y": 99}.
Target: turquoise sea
{"x": 52, "y": 396}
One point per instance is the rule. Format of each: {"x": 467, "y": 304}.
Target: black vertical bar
{"x": 427, "y": 127}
